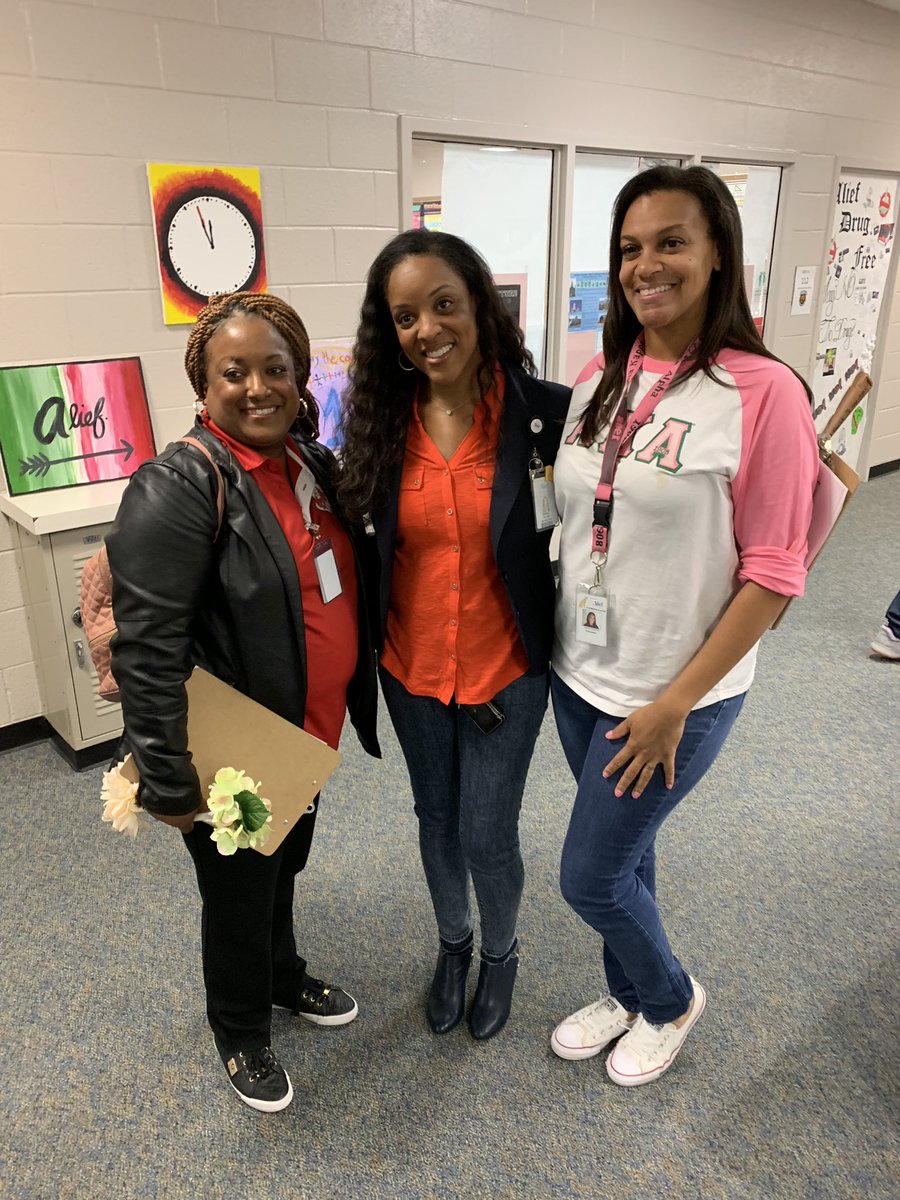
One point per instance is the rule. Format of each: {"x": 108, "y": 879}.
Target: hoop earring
{"x": 400, "y": 358}
{"x": 199, "y": 406}
{"x": 303, "y": 411}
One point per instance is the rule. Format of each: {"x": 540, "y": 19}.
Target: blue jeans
{"x": 892, "y": 616}
{"x": 608, "y": 871}
{"x": 467, "y": 787}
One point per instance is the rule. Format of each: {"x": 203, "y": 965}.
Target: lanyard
{"x": 327, "y": 571}
{"x": 304, "y": 489}
{"x": 622, "y": 430}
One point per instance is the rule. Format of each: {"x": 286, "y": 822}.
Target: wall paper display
{"x": 856, "y": 271}
{"x": 67, "y": 424}
{"x": 209, "y": 235}
{"x": 330, "y": 362}
{"x": 588, "y": 300}
{"x": 804, "y": 286}
{"x": 426, "y": 212}
{"x": 513, "y": 291}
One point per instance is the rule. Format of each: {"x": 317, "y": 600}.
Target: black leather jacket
{"x": 230, "y": 604}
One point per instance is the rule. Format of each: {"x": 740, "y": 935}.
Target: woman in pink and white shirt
{"x": 684, "y": 484}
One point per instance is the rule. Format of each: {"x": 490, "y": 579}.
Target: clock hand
{"x": 207, "y": 233}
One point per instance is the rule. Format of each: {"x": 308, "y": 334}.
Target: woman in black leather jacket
{"x": 244, "y": 602}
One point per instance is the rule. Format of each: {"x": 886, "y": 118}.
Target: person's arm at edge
{"x": 159, "y": 551}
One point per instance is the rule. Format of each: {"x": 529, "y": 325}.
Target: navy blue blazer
{"x": 522, "y": 555}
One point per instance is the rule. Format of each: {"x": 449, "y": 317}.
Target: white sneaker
{"x": 586, "y": 1032}
{"x": 647, "y": 1051}
{"x": 886, "y": 643}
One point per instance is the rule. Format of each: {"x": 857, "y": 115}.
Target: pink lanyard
{"x": 621, "y": 432}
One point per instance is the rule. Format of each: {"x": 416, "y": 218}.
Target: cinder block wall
{"x": 310, "y": 91}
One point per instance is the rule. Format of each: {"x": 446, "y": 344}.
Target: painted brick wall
{"x": 885, "y": 444}
{"x": 310, "y": 90}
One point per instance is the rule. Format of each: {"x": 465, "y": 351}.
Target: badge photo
{"x": 591, "y": 612}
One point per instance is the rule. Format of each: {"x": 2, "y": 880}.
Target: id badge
{"x": 591, "y": 614}
{"x": 327, "y": 570}
{"x": 544, "y": 498}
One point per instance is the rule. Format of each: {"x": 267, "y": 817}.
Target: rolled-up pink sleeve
{"x": 773, "y": 489}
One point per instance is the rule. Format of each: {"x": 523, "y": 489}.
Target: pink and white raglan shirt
{"x": 715, "y": 490}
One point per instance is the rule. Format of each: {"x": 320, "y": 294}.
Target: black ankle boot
{"x": 493, "y": 997}
{"x": 447, "y": 1001}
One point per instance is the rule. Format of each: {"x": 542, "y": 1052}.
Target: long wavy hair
{"x": 728, "y": 323}
{"x": 379, "y": 399}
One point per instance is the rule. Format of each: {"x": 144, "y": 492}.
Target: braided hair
{"x": 282, "y": 317}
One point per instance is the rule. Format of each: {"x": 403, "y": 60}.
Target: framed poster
{"x": 513, "y": 291}
{"x": 588, "y": 300}
{"x": 209, "y": 235}
{"x": 66, "y": 424}
{"x": 856, "y": 273}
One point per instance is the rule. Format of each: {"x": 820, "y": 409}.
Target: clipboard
{"x": 228, "y": 729}
{"x": 836, "y": 481}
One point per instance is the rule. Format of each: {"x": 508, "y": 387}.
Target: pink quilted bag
{"x": 95, "y": 593}
{"x": 97, "y": 619}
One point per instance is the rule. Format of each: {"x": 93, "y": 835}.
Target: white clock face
{"x": 212, "y": 245}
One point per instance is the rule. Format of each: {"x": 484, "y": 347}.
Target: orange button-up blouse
{"x": 450, "y": 629}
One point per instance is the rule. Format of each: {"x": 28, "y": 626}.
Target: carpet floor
{"x": 778, "y": 882}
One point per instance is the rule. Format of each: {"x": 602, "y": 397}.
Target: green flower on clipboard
{"x": 240, "y": 817}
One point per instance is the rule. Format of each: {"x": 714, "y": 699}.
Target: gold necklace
{"x": 451, "y": 411}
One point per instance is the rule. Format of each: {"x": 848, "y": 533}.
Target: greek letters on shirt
{"x": 664, "y": 446}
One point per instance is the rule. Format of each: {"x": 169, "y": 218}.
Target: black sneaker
{"x": 259, "y": 1079}
{"x": 324, "y": 1004}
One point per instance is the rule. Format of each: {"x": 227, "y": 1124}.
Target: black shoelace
{"x": 259, "y": 1063}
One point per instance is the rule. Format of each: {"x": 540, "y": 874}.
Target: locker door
{"x": 72, "y": 548}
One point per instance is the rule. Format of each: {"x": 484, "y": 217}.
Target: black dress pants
{"x": 247, "y": 933}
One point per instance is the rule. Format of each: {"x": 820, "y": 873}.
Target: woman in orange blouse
{"x": 446, "y": 434}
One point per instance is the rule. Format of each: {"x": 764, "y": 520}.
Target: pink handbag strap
{"x": 220, "y": 486}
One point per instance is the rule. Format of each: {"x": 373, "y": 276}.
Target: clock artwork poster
{"x": 209, "y": 234}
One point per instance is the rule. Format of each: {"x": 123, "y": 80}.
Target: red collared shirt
{"x": 330, "y": 629}
{"x": 450, "y": 630}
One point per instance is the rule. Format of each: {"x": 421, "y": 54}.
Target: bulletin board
{"x": 856, "y": 277}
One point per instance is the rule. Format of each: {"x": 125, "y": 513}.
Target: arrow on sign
{"x": 40, "y": 464}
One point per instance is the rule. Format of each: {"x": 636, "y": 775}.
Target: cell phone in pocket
{"x": 488, "y": 716}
